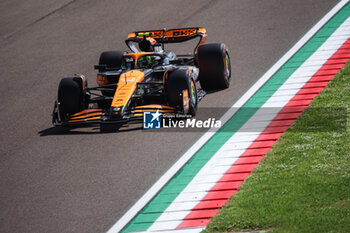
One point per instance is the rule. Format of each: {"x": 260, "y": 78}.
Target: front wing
{"x": 109, "y": 116}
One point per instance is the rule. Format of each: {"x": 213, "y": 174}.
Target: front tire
{"x": 214, "y": 66}
{"x": 177, "y": 82}
{"x": 70, "y": 98}
{"x": 110, "y": 60}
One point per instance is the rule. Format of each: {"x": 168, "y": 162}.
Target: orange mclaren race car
{"x": 146, "y": 79}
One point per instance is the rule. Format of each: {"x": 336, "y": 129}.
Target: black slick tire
{"x": 214, "y": 66}
{"x": 111, "y": 59}
{"x": 70, "y": 97}
{"x": 177, "y": 82}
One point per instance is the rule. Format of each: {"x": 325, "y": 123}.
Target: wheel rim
{"x": 227, "y": 64}
{"x": 193, "y": 93}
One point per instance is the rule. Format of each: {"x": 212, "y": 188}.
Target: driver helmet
{"x": 145, "y": 62}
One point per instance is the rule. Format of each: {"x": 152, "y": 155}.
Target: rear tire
{"x": 177, "y": 82}
{"x": 214, "y": 66}
{"x": 70, "y": 98}
{"x": 112, "y": 59}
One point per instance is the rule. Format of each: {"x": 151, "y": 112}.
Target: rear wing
{"x": 164, "y": 36}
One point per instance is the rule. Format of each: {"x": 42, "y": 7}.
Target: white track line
{"x": 163, "y": 180}
{"x": 220, "y": 166}
{"x": 217, "y": 164}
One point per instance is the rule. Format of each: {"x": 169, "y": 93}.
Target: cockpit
{"x": 142, "y": 61}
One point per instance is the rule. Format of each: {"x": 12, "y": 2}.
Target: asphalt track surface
{"x": 53, "y": 180}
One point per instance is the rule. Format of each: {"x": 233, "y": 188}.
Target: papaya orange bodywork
{"x": 82, "y": 80}
{"x": 84, "y": 120}
{"x": 155, "y": 106}
{"x": 101, "y": 80}
{"x": 86, "y": 116}
{"x": 126, "y": 87}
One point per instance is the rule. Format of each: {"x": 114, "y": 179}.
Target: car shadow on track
{"x": 103, "y": 129}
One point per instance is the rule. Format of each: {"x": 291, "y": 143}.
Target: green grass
{"x": 303, "y": 184}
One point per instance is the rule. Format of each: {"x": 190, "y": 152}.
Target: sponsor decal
{"x": 185, "y": 32}
{"x": 128, "y": 79}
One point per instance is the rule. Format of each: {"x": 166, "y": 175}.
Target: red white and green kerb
{"x": 213, "y": 174}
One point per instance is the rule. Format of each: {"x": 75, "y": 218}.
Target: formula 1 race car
{"x": 147, "y": 79}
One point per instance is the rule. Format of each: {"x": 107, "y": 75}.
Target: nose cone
{"x": 126, "y": 87}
